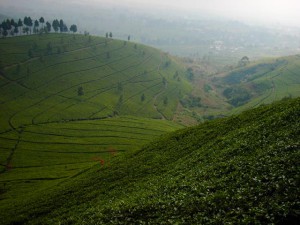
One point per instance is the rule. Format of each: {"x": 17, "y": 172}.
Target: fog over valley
{"x": 263, "y": 11}
{"x": 212, "y": 29}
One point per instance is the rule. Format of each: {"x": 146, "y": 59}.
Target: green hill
{"x": 262, "y": 82}
{"x": 72, "y": 101}
{"x": 59, "y": 77}
{"x": 238, "y": 170}
{"x": 237, "y": 89}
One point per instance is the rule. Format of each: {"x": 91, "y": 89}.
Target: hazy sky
{"x": 277, "y": 11}
{"x": 282, "y": 11}
{"x": 285, "y": 12}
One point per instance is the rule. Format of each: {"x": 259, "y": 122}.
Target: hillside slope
{"x": 72, "y": 101}
{"x": 262, "y": 82}
{"x": 58, "y": 77}
{"x": 240, "y": 170}
{"x": 244, "y": 87}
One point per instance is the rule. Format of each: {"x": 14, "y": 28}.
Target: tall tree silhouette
{"x": 55, "y": 25}
{"x": 36, "y": 25}
{"x": 73, "y": 28}
{"x": 29, "y": 24}
{"x": 20, "y": 25}
{"x": 8, "y": 25}
{"x": 48, "y": 27}
{"x": 61, "y": 26}
{"x": 42, "y": 21}
{"x": 65, "y": 28}
{"x": 4, "y": 25}
{"x": 12, "y": 22}
{"x": 26, "y": 21}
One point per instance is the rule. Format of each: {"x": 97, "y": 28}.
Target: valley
{"x": 101, "y": 130}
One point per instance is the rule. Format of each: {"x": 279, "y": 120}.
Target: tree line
{"x": 10, "y": 27}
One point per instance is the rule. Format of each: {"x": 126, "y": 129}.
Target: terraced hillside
{"x": 239, "y": 170}
{"x": 72, "y": 101}
{"x": 263, "y": 82}
{"x": 63, "y": 77}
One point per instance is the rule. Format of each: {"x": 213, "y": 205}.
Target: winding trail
{"x": 159, "y": 93}
{"x": 13, "y": 150}
{"x": 155, "y": 105}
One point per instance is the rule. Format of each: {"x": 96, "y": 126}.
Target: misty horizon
{"x": 265, "y": 12}
{"x": 190, "y": 28}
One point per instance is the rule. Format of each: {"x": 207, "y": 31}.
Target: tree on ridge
{"x": 48, "y": 27}
{"x": 73, "y": 28}
{"x": 20, "y": 24}
{"x": 61, "y": 26}
{"x": 55, "y": 25}
{"x": 42, "y": 21}
{"x": 36, "y": 25}
{"x": 29, "y": 24}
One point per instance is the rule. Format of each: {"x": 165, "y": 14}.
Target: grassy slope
{"x": 48, "y": 154}
{"x": 44, "y": 88}
{"x": 49, "y": 133}
{"x": 240, "y": 170}
{"x": 260, "y": 82}
{"x": 267, "y": 81}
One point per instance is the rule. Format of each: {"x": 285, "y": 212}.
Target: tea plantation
{"x": 69, "y": 102}
{"x": 238, "y": 170}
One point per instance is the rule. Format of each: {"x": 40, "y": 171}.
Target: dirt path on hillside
{"x": 155, "y": 105}
{"x": 159, "y": 93}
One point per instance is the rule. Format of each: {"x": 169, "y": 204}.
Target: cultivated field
{"x": 72, "y": 101}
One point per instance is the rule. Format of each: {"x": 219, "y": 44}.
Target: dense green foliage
{"x": 236, "y": 95}
{"x": 191, "y": 101}
{"x": 239, "y": 170}
{"x": 44, "y": 155}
